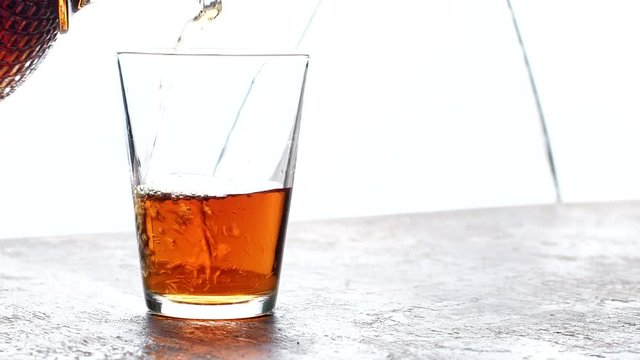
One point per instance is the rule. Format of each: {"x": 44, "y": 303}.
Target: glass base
{"x": 211, "y": 307}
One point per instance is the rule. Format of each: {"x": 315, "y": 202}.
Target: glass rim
{"x": 211, "y": 53}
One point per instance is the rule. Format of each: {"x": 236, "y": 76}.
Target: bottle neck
{"x": 65, "y": 9}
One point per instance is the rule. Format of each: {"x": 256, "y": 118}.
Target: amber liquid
{"x": 27, "y": 30}
{"x": 205, "y": 249}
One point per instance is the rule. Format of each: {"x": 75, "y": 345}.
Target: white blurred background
{"x": 410, "y": 106}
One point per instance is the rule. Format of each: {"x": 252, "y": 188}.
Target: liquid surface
{"x": 198, "y": 248}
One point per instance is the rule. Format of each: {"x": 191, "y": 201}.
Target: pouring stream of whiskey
{"x": 195, "y": 33}
{"x": 208, "y": 11}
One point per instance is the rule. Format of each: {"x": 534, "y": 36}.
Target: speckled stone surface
{"x": 539, "y": 282}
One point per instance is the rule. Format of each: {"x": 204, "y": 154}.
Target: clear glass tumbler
{"x": 212, "y": 142}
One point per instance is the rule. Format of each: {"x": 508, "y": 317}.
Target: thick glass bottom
{"x": 211, "y": 307}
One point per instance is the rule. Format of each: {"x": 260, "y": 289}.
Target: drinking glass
{"x": 212, "y": 141}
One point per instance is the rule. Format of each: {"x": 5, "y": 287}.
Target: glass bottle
{"x": 27, "y": 31}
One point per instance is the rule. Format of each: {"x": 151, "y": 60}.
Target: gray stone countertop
{"x": 535, "y": 282}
